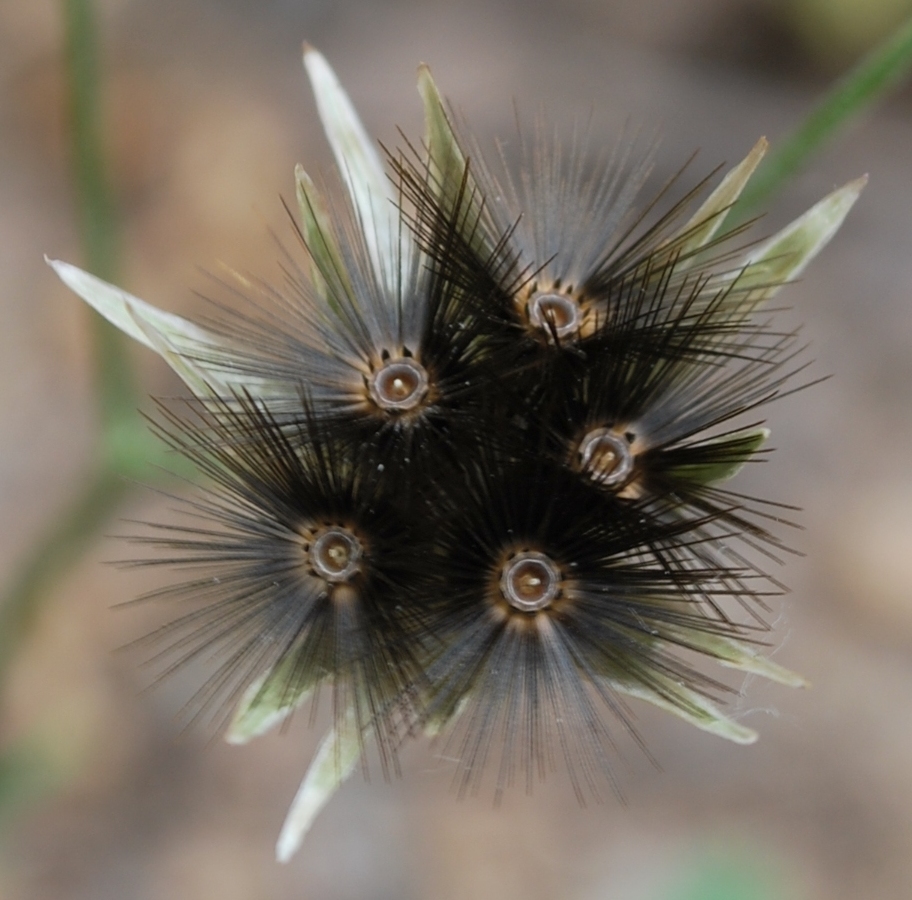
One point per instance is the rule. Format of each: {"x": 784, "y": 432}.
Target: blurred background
{"x": 205, "y": 112}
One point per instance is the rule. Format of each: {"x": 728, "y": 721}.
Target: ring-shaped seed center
{"x": 398, "y": 384}
{"x": 557, "y": 314}
{"x": 335, "y": 554}
{"x": 530, "y": 581}
{"x": 605, "y": 456}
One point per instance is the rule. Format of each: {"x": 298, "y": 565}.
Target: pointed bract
{"x": 735, "y": 654}
{"x": 359, "y": 162}
{"x": 447, "y": 160}
{"x": 316, "y": 229}
{"x": 709, "y": 218}
{"x": 335, "y": 761}
{"x": 784, "y": 256}
{"x": 180, "y": 342}
{"x": 747, "y": 443}
{"x": 126, "y": 312}
{"x": 267, "y": 702}
{"x": 690, "y": 706}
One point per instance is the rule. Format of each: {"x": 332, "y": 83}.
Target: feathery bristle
{"x": 649, "y": 346}
{"x": 548, "y": 599}
{"x": 302, "y": 571}
{"x": 402, "y": 373}
{"x": 546, "y": 293}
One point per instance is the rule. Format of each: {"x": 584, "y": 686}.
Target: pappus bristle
{"x": 631, "y": 334}
{"x": 549, "y": 604}
{"x": 669, "y": 430}
{"x": 561, "y": 261}
{"x": 298, "y": 570}
{"x": 392, "y": 362}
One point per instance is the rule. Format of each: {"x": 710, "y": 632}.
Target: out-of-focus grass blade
{"x": 115, "y": 381}
{"x": 26, "y": 773}
{"x": 124, "y": 436}
{"x": 858, "y": 90}
{"x": 62, "y": 546}
{"x": 725, "y": 879}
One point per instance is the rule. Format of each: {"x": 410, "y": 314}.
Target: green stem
{"x": 27, "y": 772}
{"x": 53, "y": 555}
{"x": 880, "y": 70}
{"x": 115, "y": 382}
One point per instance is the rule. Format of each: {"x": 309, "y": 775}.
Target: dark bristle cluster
{"x": 547, "y": 599}
{"x": 477, "y": 485}
{"x": 300, "y": 562}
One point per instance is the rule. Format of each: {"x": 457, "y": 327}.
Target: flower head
{"x": 466, "y": 462}
{"x": 551, "y": 602}
{"x": 299, "y": 571}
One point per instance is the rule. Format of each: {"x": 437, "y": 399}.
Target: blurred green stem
{"x": 883, "y": 68}
{"x": 55, "y": 553}
{"x": 115, "y": 383}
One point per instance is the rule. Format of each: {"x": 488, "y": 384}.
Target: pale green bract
{"x": 760, "y": 273}
{"x": 748, "y": 443}
{"x": 336, "y": 759}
